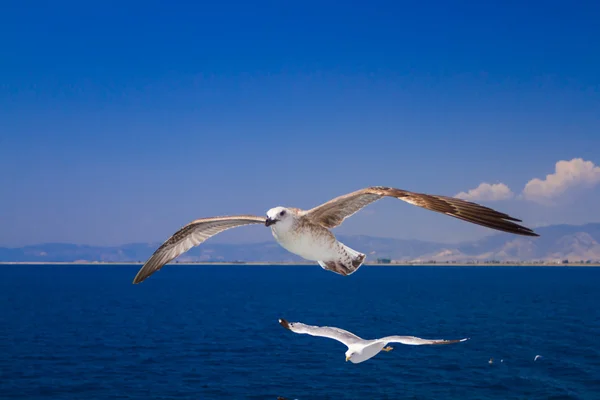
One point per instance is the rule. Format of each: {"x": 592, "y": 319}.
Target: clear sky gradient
{"x": 122, "y": 121}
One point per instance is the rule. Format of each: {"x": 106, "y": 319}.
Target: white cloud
{"x": 485, "y": 191}
{"x": 576, "y": 173}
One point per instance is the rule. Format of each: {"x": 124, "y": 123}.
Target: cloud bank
{"x": 487, "y": 192}
{"x": 576, "y": 173}
{"x": 568, "y": 175}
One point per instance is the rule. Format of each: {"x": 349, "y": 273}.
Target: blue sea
{"x": 211, "y": 332}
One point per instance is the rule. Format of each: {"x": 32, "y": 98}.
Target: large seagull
{"x": 360, "y": 349}
{"x": 307, "y": 234}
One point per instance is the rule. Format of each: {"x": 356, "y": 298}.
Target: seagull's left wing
{"x": 338, "y": 334}
{"x": 193, "y": 234}
{"x": 333, "y": 213}
{"x": 415, "y": 341}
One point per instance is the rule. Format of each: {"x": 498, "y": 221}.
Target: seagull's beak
{"x": 347, "y": 358}
{"x": 270, "y": 222}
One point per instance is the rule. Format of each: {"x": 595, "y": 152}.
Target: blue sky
{"x": 122, "y": 121}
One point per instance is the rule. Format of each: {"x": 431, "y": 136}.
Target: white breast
{"x": 304, "y": 243}
{"x": 368, "y": 351}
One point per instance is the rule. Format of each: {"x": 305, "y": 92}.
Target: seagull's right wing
{"x": 323, "y": 331}
{"x": 335, "y": 211}
{"x": 415, "y": 341}
{"x": 193, "y": 234}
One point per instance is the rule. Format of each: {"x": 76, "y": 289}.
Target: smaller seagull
{"x": 491, "y": 360}
{"x": 359, "y": 349}
{"x": 536, "y": 357}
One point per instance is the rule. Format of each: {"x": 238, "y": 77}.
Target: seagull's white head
{"x": 350, "y": 354}
{"x": 279, "y": 215}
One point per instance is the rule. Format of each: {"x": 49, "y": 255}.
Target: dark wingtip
{"x": 284, "y": 323}
{"x": 529, "y": 232}
{"x": 139, "y": 277}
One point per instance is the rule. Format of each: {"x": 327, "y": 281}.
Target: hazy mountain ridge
{"x": 557, "y": 242}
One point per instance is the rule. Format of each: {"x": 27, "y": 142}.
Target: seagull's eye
{"x": 281, "y": 214}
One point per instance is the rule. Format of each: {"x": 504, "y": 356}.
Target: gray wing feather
{"x": 335, "y": 211}
{"x": 416, "y": 341}
{"x": 192, "y": 234}
{"x": 338, "y": 334}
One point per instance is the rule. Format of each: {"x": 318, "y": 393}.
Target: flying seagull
{"x": 359, "y": 349}
{"x": 307, "y": 232}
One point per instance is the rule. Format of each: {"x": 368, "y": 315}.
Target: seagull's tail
{"x": 342, "y": 266}
{"x": 358, "y": 258}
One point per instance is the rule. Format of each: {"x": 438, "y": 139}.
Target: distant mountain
{"x": 557, "y": 242}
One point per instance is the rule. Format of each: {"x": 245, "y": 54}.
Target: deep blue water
{"x": 211, "y": 332}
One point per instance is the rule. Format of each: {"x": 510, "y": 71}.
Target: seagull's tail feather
{"x": 358, "y": 258}
{"x": 343, "y": 265}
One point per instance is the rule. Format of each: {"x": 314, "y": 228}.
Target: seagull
{"x": 307, "y": 234}
{"x": 536, "y": 357}
{"x": 359, "y": 349}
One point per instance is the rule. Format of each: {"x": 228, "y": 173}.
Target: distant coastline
{"x": 572, "y": 245}
{"x": 399, "y": 264}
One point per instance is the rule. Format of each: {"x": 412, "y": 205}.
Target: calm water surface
{"x": 211, "y": 332}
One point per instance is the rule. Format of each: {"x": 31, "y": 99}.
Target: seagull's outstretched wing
{"x": 189, "y": 236}
{"x": 338, "y": 334}
{"x": 333, "y": 213}
{"x": 415, "y": 341}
